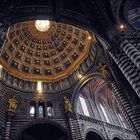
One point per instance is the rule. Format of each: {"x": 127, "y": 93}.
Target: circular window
{"x": 42, "y": 25}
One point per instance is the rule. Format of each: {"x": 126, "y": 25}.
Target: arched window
{"x": 41, "y": 110}
{"x": 84, "y": 106}
{"x": 96, "y": 100}
{"x": 104, "y": 113}
{"x": 39, "y": 86}
{"x": 119, "y": 115}
{"x": 32, "y": 111}
{"x": 121, "y": 120}
{"x": 50, "y": 111}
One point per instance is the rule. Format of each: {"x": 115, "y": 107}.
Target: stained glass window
{"x": 50, "y": 111}
{"x": 40, "y": 111}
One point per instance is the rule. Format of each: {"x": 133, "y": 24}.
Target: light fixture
{"x": 89, "y": 37}
{"x": 0, "y": 66}
{"x": 42, "y": 25}
{"x": 1, "y": 71}
{"x": 122, "y": 27}
{"x": 79, "y": 75}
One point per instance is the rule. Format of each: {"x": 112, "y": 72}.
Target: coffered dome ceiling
{"x": 48, "y": 55}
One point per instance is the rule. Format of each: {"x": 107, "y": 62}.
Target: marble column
{"x": 131, "y": 52}
{"x": 7, "y": 129}
{"x": 128, "y": 69}
{"x": 127, "y": 109}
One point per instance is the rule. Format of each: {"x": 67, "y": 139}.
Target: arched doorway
{"x": 116, "y": 138}
{"x": 93, "y": 136}
{"x": 44, "y": 131}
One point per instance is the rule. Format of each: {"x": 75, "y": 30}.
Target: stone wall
{"x": 22, "y": 117}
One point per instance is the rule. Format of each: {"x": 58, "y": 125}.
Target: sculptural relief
{"x": 12, "y": 105}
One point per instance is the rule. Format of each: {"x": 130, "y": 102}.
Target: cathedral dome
{"x": 44, "y": 50}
